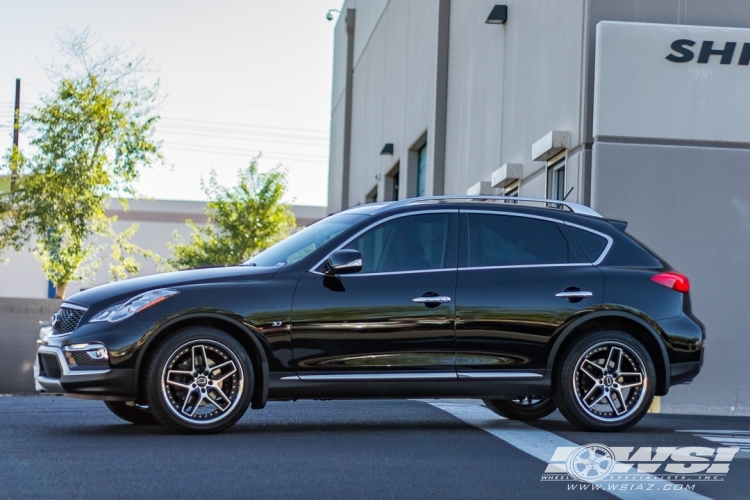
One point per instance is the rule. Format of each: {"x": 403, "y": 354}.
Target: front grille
{"x": 66, "y": 320}
{"x": 83, "y": 359}
{"x": 50, "y": 366}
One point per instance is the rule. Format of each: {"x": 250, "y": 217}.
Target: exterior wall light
{"x": 387, "y": 149}
{"x": 498, "y": 15}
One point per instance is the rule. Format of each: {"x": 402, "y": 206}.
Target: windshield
{"x": 302, "y": 243}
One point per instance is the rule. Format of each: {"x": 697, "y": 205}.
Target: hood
{"x": 106, "y": 295}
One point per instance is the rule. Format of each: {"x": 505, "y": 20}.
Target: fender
{"x": 661, "y": 388}
{"x": 260, "y": 391}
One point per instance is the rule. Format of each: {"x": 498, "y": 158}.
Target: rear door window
{"x": 507, "y": 240}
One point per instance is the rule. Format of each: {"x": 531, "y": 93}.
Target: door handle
{"x": 439, "y": 299}
{"x": 574, "y": 294}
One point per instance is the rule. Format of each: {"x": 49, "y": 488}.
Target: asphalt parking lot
{"x": 55, "y": 447}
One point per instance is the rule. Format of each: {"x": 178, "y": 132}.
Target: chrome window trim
{"x": 531, "y": 216}
{"x": 375, "y": 224}
{"x": 512, "y": 214}
{"x": 387, "y": 273}
{"x": 522, "y": 266}
{"x": 607, "y": 237}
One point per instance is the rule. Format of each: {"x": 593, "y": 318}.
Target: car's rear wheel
{"x": 525, "y": 408}
{"x": 134, "y": 414}
{"x": 604, "y": 382}
{"x": 200, "y": 381}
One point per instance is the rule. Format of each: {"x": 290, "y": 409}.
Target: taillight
{"x": 673, "y": 280}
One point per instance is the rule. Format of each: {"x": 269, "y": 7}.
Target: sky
{"x": 239, "y": 77}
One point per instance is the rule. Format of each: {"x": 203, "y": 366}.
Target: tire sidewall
{"x": 161, "y": 408}
{"x": 564, "y": 389}
{"x": 508, "y": 409}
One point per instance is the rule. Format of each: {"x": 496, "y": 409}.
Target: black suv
{"x": 528, "y": 304}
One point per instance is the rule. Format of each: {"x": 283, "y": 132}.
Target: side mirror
{"x": 343, "y": 262}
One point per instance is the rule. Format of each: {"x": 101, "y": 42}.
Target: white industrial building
{"x": 637, "y": 108}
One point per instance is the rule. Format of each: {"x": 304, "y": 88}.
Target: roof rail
{"x": 573, "y": 207}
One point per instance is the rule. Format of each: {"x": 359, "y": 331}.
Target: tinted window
{"x": 304, "y": 242}
{"x": 409, "y": 243}
{"x": 503, "y": 240}
{"x": 593, "y": 245}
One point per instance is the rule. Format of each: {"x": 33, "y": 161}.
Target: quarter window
{"x": 593, "y": 245}
{"x": 409, "y": 243}
{"x": 504, "y": 240}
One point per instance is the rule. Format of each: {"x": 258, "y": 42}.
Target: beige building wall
{"x": 158, "y": 220}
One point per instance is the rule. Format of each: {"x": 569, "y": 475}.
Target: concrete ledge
{"x": 549, "y": 145}
{"x": 508, "y": 173}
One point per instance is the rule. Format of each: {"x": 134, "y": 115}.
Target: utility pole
{"x": 16, "y": 127}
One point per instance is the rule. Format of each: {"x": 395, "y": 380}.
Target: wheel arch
{"x": 624, "y": 321}
{"x": 246, "y": 336}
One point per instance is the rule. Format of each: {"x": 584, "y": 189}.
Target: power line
{"x": 241, "y": 125}
{"x": 209, "y": 149}
{"x": 239, "y": 152}
{"x": 280, "y": 139}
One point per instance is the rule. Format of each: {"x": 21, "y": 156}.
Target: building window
{"x": 556, "y": 182}
{"x": 421, "y": 169}
{"x": 372, "y": 196}
{"x": 512, "y": 191}
{"x": 392, "y": 183}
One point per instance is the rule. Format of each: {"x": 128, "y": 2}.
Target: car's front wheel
{"x": 604, "y": 382}
{"x": 200, "y": 381}
{"x": 525, "y": 408}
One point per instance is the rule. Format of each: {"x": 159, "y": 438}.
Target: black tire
{"x": 200, "y": 381}
{"x": 604, "y": 382}
{"x": 525, "y": 409}
{"x": 137, "y": 415}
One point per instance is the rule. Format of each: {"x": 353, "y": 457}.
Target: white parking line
{"x": 741, "y": 439}
{"x": 542, "y": 444}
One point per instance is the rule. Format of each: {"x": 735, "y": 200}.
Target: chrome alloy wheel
{"x": 610, "y": 381}
{"x": 202, "y": 381}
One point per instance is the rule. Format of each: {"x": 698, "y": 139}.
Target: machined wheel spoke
{"x": 621, "y": 400}
{"x": 198, "y": 351}
{"x": 171, "y": 381}
{"x": 186, "y": 403}
{"x": 221, "y": 393}
{"x": 217, "y": 404}
{"x": 592, "y": 377}
{"x": 220, "y": 368}
{"x": 614, "y": 406}
{"x": 591, "y": 392}
{"x": 615, "y": 357}
{"x": 602, "y": 396}
{"x": 223, "y": 376}
{"x": 636, "y": 375}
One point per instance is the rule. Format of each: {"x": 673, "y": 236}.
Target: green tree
{"x": 88, "y": 139}
{"x": 243, "y": 220}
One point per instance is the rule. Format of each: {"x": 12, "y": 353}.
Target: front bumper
{"x": 95, "y": 383}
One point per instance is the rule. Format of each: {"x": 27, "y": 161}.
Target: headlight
{"x": 125, "y": 310}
